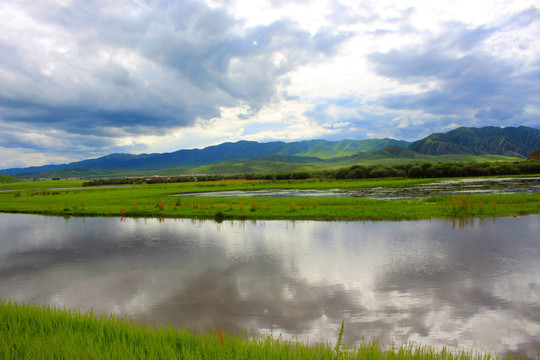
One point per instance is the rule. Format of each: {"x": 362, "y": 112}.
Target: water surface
{"x": 445, "y": 187}
{"x": 473, "y": 283}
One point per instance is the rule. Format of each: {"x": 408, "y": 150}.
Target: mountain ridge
{"x": 241, "y": 150}
{"x": 518, "y": 141}
{"x": 512, "y": 142}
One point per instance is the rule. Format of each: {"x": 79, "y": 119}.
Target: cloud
{"x": 91, "y": 65}
{"x": 144, "y": 76}
{"x": 467, "y": 79}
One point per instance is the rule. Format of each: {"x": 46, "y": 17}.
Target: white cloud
{"x": 15, "y": 157}
{"x": 149, "y": 76}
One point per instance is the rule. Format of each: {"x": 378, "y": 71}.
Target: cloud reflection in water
{"x": 431, "y": 282}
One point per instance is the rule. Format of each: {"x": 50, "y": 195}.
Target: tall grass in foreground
{"x": 41, "y": 332}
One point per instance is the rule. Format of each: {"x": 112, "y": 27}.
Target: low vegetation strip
{"x": 407, "y": 170}
{"x": 155, "y": 201}
{"x": 43, "y": 332}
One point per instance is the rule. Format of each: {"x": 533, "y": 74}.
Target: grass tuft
{"x": 337, "y": 349}
{"x": 32, "y": 331}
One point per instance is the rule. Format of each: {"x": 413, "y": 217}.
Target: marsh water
{"x": 444, "y": 187}
{"x": 470, "y": 283}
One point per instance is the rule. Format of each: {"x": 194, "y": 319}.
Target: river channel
{"x": 469, "y": 283}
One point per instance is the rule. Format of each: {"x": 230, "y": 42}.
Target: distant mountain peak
{"x": 517, "y": 142}
{"x": 240, "y": 150}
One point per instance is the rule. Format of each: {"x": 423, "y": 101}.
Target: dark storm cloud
{"x": 82, "y": 120}
{"x": 468, "y": 78}
{"x": 72, "y": 142}
{"x": 146, "y": 69}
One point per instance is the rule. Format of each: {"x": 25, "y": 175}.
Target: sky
{"x": 81, "y": 79}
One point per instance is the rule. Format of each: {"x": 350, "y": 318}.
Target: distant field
{"x": 155, "y": 201}
{"x": 24, "y": 185}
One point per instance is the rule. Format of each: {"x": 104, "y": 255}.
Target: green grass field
{"x": 4, "y": 179}
{"x": 262, "y": 166}
{"x": 42, "y": 332}
{"x": 56, "y": 198}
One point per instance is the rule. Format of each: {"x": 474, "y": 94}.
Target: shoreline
{"x": 325, "y": 209}
{"x": 42, "y": 331}
{"x": 162, "y": 201}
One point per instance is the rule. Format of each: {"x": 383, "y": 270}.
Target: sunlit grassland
{"x": 236, "y": 184}
{"x": 42, "y": 332}
{"x": 263, "y": 166}
{"x": 25, "y": 185}
{"x": 156, "y": 201}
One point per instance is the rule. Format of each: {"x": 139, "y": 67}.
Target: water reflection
{"x": 472, "y": 283}
{"x": 463, "y": 223}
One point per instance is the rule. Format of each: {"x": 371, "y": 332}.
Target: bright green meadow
{"x": 42, "y": 332}
{"x": 155, "y": 200}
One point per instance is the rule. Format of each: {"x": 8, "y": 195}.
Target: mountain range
{"x": 464, "y": 143}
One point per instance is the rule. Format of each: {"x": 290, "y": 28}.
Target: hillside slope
{"x": 4, "y": 179}
{"x": 512, "y": 141}
{"x": 459, "y": 144}
{"x": 330, "y": 149}
{"x": 241, "y": 150}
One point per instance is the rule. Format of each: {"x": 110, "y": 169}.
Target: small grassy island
{"x": 42, "y": 332}
{"x": 64, "y": 198}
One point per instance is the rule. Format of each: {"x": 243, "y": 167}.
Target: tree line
{"x": 439, "y": 170}
{"x": 423, "y": 170}
{"x": 151, "y": 180}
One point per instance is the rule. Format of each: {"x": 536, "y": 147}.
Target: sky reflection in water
{"x": 472, "y": 283}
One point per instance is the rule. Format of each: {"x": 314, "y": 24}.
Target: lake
{"x": 470, "y": 283}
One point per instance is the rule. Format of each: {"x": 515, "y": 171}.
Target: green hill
{"x": 5, "y": 179}
{"x": 461, "y": 144}
{"x": 512, "y": 141}
{"x": 394, "y": 152}
{"x": 271, "y": 164}
{"x": 330, "y": 149}
{"x": 394, "y": 155}
{"x": 239, "y": 151}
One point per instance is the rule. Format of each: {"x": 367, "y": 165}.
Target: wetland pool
{"x": 445, "y": 187}
{"x": 469, "y": 283}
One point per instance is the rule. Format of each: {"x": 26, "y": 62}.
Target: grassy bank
{"x": 155, "y": 201}
{"x": 40, "y": 332}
